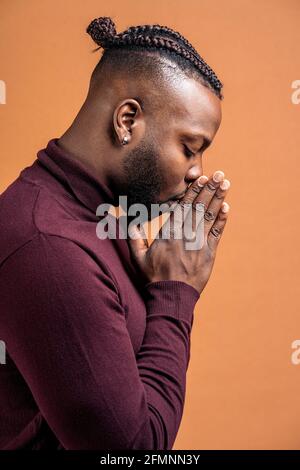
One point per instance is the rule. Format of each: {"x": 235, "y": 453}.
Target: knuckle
{"x": 209, "y": 215}
{"x": 216, "y": 232}
{"x": 220, "y": 195}
{"x": 196, "y": 189}
{"x": 183, "y": 204}
{"x": 210, "y": 187}
{"x": 198, "y": 206}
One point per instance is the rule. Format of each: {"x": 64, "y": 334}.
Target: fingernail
{"x": 225, "y": 207}
{"x": 218, "y": 176}
{"x": 202, "y": 180}
{"x": 225, "y": 185}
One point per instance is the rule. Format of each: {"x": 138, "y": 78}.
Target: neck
{"x": 89, "y": 147}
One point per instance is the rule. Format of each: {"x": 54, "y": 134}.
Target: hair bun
{"x": 102, "y": 30}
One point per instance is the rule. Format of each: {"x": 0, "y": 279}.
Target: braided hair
{"x": 167, "y": 42}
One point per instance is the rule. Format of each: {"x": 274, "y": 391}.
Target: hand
{"x": 168, "y": 259}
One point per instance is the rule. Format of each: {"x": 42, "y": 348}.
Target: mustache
{"x": 177, "y": 197}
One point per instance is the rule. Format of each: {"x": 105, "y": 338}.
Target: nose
{"x": 193, "y": 173}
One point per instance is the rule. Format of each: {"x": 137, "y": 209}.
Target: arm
{"x": 66, "y": 331}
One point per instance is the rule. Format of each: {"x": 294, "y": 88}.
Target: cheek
{"x": 173, "y": 168}
{"x": 175, "y": 163}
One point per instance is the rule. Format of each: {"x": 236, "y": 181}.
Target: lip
{"x": 173, "y": 201}
{"x": 176, "y": 198}
{"x": 180, "y": 196}
{"x": 170, "y": 202}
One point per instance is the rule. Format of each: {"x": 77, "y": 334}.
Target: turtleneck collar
{"x": 88, "y": 189}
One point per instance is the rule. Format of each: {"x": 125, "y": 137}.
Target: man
{"x": 97, "y": 331}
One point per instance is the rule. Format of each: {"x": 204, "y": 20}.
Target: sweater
{"x": 95, "y": 357}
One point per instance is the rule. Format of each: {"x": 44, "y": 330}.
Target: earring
{"x": 125, "y": 140}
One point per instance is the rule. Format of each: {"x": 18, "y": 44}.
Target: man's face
{"x": 169, "y": 157}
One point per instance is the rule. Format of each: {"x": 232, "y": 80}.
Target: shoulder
{"x": 51, "y": 267}
{"x": 17, "y": 226}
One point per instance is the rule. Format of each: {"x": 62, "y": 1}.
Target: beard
{"x": 143, "y": 175}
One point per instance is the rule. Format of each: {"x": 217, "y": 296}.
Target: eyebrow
{"x": 206, "y": 140}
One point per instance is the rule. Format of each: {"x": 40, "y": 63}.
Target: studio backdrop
{"x": 243, "y": 382}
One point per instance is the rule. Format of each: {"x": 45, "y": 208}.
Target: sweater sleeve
{"x": 65, "y": 329}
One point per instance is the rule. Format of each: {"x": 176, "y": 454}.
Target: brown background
{"x": 242, "y": 389}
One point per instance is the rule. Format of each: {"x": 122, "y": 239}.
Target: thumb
{"x": 138, "y": 243}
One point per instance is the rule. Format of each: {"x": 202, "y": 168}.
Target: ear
{"x": 128, "y": 121}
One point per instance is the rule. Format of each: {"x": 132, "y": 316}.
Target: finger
{"x": 206, "y": 193}
{"x": 138, "y": 243}
{"x": 215, "y": 205}
{"x": 217, "y": 229}
{"x": 194, "y": 189}
{"x": 172, "y": 228}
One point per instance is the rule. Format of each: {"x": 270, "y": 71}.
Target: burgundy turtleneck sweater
{"x": 94, "y": 359}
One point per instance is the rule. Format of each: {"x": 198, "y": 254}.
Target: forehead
{"x": 195, "y": 108}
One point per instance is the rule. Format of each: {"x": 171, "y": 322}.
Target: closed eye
{"x": 188, "y": 152}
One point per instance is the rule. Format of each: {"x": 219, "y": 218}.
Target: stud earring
{"x": 125, "y": 140}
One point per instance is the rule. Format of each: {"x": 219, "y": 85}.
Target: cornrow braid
{"x": 163, "y": 29}
{"x": 103, "y": 32}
